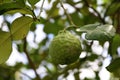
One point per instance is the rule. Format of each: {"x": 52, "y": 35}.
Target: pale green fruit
{"x": 65, "y": 48}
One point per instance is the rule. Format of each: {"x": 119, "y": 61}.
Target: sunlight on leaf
{"x": 98, "y": 32}
{"x": 88, "y": 27}
{"x": 20, "y": 27}
{"x": 5, "y": 46}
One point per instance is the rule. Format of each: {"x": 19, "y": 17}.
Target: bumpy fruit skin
{"x": 65, "y": 48}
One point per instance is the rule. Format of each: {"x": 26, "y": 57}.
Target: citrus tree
{"x": 79, "y": 35}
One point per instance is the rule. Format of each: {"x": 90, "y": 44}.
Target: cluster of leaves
{"x": 85, "y": 18}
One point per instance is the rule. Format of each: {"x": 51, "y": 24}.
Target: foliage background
{"x": 46, "y": 19}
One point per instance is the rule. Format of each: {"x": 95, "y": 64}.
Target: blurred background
{"x": 37, "y": 65}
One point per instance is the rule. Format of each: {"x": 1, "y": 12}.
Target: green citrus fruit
{"x": 65, "y": 48}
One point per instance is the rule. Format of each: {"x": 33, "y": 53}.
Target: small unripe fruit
{"x": 65, "y": 48}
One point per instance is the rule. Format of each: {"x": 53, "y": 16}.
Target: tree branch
{"x": 41, "y": 8}
{"x": 31, "y": 63}
{"x": 98, "y": 14}
{"x": 108, "y": 7}
{"x": 118, "y": 22}
{"x": 68, "y": 16}
{"x": 25, "y": 75}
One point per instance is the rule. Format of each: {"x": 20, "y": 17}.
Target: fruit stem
{"x": 71, "y": 27}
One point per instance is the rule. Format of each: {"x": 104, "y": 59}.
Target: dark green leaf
{"x": 33, "y": 2}
{"x": 70, "y": 2}
{"x": 51, "y": 11}
{"x": 53, "y": 27}
{"x": 90, "y": 19}
{"x": 113, "y": 8}
{"x": 114, "y": 44}
{"x": 25, "y": 10}
{"x": 5, "y": 1}
{"x": 18, "y": 4}
{"x": 76, "y": 19}
{"x": 20, "y": 47}
{"x": 33, "y": 27}
{"x": 92, "y": 57}
{"x": 114, "y": 65}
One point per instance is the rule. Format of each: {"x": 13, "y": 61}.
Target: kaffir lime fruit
{"x": 65, "y": 48}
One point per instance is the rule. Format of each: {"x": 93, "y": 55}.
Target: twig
{"x": 25, "y": 75}
{"x": 68, "y": 16}
{"x": 98, "y": 14}
{"x": 118, "y": 22}
{"x": 33, "y": 13}
{"x": 76, "y": 65}
{"x": 41, "y": 8}
{"x": 108, "y": 7}
{"x": 31, "y": 63}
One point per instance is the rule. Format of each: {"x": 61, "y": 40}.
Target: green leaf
{"x": 76, "y": 18}
{"x": 97, "y": 35}
{"x": 33, "y": 27}
{"x": 87, "y": 28}
{"x": 25, "y": 10}
{"x": 98, "y": 32}
{"x": 105, "y": 1}
{"x": 20, "y": 47}
{"x": 51, "y": 11}
{"x": 33, "y": 2}
{"x": 71, "y": 2}
{"x": 114, "y": 65}
{"x": 3, "y": 1}
{"x": 53, "y": 27}
{"x": 5, "y": 46}
{"x": 92, "y": 57}
{"x": 113, "y": 8}
{"x": 20, "y": 27}
{"x": 114, "y": 44}
{"x": 18, "y": 4}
